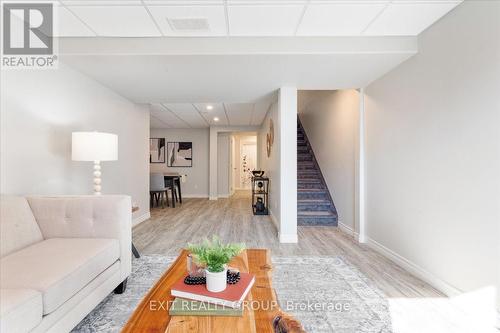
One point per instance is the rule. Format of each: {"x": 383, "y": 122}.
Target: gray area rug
{"x": 326, "y": 294}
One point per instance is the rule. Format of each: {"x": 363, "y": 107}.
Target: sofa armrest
{"x": 106, "y": 216}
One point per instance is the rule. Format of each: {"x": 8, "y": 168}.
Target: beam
{"x": 237, "y": 45}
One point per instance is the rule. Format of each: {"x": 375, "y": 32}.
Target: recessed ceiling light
{"x": 216, "y": 118}
{"x": 210, "y": 107}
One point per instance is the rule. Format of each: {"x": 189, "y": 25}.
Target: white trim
{"x": 288, "y": 238}
{"x": 223, "y": 196}
{"x": 414, "y": 269}
{"x": 138, "y": 220}
{"x": 200, "y": 196}
{"x": 348, "y": 230}
{"x": 283, "y": 238}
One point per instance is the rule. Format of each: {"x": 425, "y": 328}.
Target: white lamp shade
{"x": 94, "y": 146}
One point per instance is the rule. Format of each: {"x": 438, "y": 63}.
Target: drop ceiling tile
{"x": 265, "y": 20}
{"x": 155, "y": 122}
{"x": 188, "y": 113}
{"x": 184, "y": 2}
{"x": 339, "y": 19}
{"x": 117, "y": 21}
{"x": 404, "y": 18}
{"x": 216, "y": 111}
{"x": 69, "y": 25}
{"x": 259, "y": 112}
{"x": 167, "y": 117}
{"x": 266, "y": 2}
{"x": 239, "y": 114}
{"x": 214, "y": 16}
{"x": 101, "y": 2}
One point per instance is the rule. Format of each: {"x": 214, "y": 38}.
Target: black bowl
{"x": 258, "y": 173}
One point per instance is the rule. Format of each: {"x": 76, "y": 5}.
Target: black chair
{"x": 157, "y": 190}
{"x": 170, "y": 184}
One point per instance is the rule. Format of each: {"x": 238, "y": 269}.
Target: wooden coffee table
{"x": 151, "y": 316}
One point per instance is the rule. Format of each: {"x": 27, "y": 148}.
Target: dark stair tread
{"x": 313, "y": 201}
{"x": 312, "y": 190}
{"x": 319, "y": 213}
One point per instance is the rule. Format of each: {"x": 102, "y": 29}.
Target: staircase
{"x": 314, "y": 204}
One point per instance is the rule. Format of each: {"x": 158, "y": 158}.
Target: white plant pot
{"x": 216, "y": 282}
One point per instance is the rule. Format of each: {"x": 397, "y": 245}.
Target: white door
{"x": 248, "y": 163}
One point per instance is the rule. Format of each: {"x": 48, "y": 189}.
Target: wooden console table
{"x": 151, "y": 315}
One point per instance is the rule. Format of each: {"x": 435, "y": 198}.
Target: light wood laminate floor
{"x": 170, "y": 229}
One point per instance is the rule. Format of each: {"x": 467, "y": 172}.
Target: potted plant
{"x": 214, "y": 256}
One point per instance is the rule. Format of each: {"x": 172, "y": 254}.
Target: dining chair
{"x": 157, "y": 190}
{"x": 170, "y": 185}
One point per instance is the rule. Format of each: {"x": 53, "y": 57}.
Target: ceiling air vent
{"x": 189, "y": 24}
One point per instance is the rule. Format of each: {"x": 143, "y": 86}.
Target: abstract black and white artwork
{"x": 179, "y": 154}
{"x": 157, "y": 150}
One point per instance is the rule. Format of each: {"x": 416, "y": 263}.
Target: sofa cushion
{"x": 58, "y": 267}
{"x": 20, "y": 310}
{"x": 18, "y": 227}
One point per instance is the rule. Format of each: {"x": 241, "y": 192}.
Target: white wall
{"x": 223, "y": 164}
{"x": 330, "y": 119}
{"x": 271, "y": 164}
{"x": 196, "y": 184}
{"x": 433, "y": 151}
{"x": 40, "y": 109}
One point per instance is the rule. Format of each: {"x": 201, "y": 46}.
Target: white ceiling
{"x": 150, "y": 18}
{"x": 267, "y": 44}
{"x": 199, "y": 115}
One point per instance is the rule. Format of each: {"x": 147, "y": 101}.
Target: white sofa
{"x": 60, "y": 256}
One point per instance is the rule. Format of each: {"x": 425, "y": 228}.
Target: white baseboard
{"x": 348, "y": 230}
{"x": 414, "y": 269}
{"x": 138, "y": 220}
{"x": 288, "y": 238}
{"x": 197, "y": 196}
{"x": 283, "y": 238}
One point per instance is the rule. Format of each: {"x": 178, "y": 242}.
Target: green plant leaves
{"x": 214, "y": 254}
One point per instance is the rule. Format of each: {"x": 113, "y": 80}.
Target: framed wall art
{"x": 180, "y": 154}
{"x": 157, "y": 150}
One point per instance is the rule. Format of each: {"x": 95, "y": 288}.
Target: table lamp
{"x": 96, "y": 147}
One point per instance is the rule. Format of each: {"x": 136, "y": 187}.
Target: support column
{"x": 287, "y": 131}
{"x": 361, "y": 169}
{"x": 212, "y": 182}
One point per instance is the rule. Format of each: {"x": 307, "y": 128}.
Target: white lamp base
{"x": 97, "y": 177}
